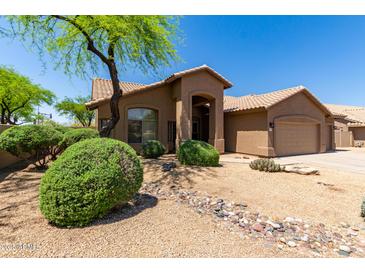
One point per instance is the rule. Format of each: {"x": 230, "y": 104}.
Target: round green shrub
{"x": 266, "y": 165}
{"x": 88, "y": 179}
{"x": 363, "y": 208}
{"x": 152, "y": 149}
{"x": 199, "y": 153}
{"x": 76, "y": 135}
{"x": 27, "y": 140}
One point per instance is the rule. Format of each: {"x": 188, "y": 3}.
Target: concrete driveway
{"x": 346, "y": 159}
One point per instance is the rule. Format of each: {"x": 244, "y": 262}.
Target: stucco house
{"x": 349, "y": 125}
{"x": 190, "y": 104}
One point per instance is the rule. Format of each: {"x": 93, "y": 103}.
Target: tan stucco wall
{"x": 174, "y": 103}
{"x": 246, "y": 132}
{"x": 299, "y": 104}
{"x": 205, "y": 85}
{"x": 159, "y": 99}
{"x": 344, "y": 138}
{"x": 358, "y": 133}
{"x": 341, "y": 124}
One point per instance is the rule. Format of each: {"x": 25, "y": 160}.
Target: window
{"x": 103, "y": 123}
{"x": 142, "y": 125}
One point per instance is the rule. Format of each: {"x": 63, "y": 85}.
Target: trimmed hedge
{"x": 199, "y": 153}
{"x": 152, "y": 149}
{"x": 87, "y": 180}
{"x": 76, "y": 135}
{"x": 28, "y": 140}
{"x": 266, "y": 165}
{"x": 57, "y": 126}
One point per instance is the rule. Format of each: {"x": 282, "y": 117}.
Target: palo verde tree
{"x": 19, "y": 96}
{"x": 75, "y": 109}
{"x": 81, "y": 43}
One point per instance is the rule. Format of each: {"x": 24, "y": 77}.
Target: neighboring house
{"x": 349, "y": 125}
{"x": 191, "y": 105}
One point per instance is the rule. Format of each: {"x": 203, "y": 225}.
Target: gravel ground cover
{"x": 195, "y": 212}
{"x": 149, "y": 227}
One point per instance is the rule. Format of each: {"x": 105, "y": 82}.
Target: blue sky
{"x": 257, "y": 53}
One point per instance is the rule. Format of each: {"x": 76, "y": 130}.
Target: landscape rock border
{"x": 291, "y": 232}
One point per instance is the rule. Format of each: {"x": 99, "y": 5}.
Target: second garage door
{"x": 296, "y": 138}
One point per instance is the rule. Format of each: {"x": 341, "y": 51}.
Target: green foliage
{"x": 363, "y": 208}
{"x": 153, "y": 149}
{"x": 56, "y": 126}
{"x": 266, "y": 165}
{"x": 88, "y": 179}
{"x": 23, "y": 141}
{"x": 79, "y": 43}
{"x": 75, "y": 135}
{"x": 76, "y": 109}
{"x": 193, "y": 152}
{"x": 19, "y": 96}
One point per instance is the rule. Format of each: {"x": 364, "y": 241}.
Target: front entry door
{"x": 195, "y": 133}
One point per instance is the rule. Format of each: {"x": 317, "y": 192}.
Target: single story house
{"x": 190, "y": 104}
{"x": 349, "y": 125}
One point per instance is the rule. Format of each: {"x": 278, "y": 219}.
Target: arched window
{"x": 142, "y": 125}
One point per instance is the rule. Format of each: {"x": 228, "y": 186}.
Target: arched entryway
{"x": 200, "y": 113}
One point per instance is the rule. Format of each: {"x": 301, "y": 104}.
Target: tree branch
{"x": 90, "y": 42}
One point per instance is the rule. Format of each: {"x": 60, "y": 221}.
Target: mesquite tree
{"x": 81, "y": 43}
{"x": 19, "y": 97}
{"x": 75, "y": 108}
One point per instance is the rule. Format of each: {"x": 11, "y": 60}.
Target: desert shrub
{"x": 56, "y": 126}
{"x": 76, "y": 135}
{"x": 363, "y": 208}
{"x": 28, "y": 140}
{"x": 152, "y": 149}
{"x": 88, "y": 179}
{"x": 56, "y": 150}
{"x": 199, "y": 153}
{"x": 266, "y": 165}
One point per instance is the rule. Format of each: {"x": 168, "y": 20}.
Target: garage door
{"x": 296, "y": 138}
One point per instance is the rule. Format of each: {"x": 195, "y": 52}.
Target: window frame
{"x": 142, "y": 122}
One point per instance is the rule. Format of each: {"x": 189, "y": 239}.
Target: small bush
{"x": 266, "y": 165}
{"x": 199, "y": 153}
{"x": 88, "y": 179}
{"x": 76, "y": 135}
{"x": 363, "y": 208}
{"x": 152, "y": 149}
{"x": 24, "y": 141}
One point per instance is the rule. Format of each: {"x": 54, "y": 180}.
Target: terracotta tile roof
{"x": 354, "y": 114}
{"x": 102, "y": 89}
{"x": 265, "y": 100}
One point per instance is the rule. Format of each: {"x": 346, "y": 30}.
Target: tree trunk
{"x": 2, "y": 116}
{"x": 114, "y": 102}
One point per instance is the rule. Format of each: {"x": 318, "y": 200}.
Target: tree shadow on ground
{"x": 141, "y": 202}
{"x": 179, "y": 177}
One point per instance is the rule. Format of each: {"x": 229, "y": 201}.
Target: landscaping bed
{"x": 191, "y": 211}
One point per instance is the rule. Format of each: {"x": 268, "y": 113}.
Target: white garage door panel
{"x": 296, "y": 138}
